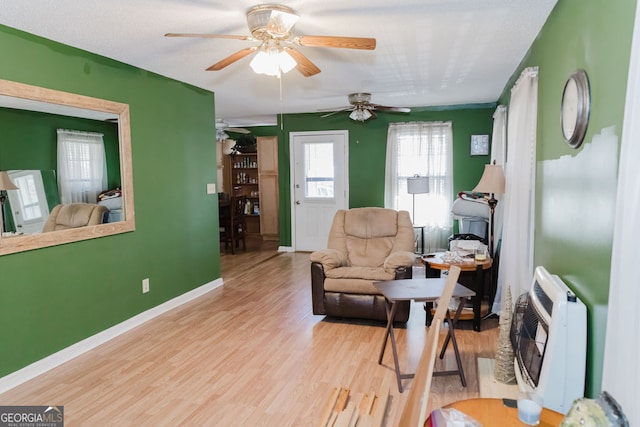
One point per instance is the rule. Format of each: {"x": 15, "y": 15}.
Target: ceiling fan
{"x": 271, "y": 27}
{"x": 362, "y": 109}
{"x": 222, "y": 127}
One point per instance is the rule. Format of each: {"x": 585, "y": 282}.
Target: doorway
{"x": 319, "y": 185}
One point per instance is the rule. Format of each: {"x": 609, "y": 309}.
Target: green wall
{"x": 53, "y": 297}
{"x": 575, "y": 209}
{"x": 367, "y": 150}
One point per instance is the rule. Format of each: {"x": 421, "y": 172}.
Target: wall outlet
{"x": 145, "y": 286}
{"x": 211, "y": 188}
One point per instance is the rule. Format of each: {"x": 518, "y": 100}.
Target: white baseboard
{"x": 286, "y": 249}
{"x": 56, "y": 359}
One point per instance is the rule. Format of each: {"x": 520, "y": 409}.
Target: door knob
{"x": 297, "y": 202}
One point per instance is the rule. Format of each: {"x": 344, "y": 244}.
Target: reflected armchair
{"x": 74, "y": 215}
{"x": 365, "y": 245}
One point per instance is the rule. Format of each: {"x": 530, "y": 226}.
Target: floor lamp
{"x": 492, "y": 183}
{"x": 417, "y": 185}
{"x": 5, "y": 184}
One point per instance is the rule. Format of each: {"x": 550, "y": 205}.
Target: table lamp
{"x": 417, "y": 185}
{"x": 5, "y": 184}
{"x": 492, "y": 183}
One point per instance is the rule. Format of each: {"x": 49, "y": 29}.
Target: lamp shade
{"x": 5, "y": 182}
{"x": 492, "y": 180}
{"x": 418, "y": 184}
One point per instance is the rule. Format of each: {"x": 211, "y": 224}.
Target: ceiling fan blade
{"x": 334, "y": 112}
{"x": 209, "y": 36}
{"x": 337, "y": 110}
{"x": 337, "y": 42}
{"x": 304, "y": 65}
{"x": 232, "y": 58}
{"x": 238, "y": 130}
{"x": 391, "y": 109}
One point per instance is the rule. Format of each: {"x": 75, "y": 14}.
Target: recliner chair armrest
{"x": 317, "y": 288}
{"x": 329, "y": 258}
{"x": 399, "y": 259}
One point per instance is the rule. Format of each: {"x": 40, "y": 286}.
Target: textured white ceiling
{"x": 429, "y": 52}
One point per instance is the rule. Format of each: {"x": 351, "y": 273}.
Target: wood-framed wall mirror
{"x": 19, "y": 104}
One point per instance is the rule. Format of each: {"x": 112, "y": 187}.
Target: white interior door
{"x": 28, "y": 202}
{"x": 319, "y": 185}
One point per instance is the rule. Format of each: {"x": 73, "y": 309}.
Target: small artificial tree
{"x": 504, "y": 370}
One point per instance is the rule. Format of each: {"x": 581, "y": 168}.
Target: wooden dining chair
{"x": 239, "y": 222}
{"x": 233, "y": 224}
{"x": 414, "y": 412}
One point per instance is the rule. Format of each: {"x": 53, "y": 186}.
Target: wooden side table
{"x": 493, "y": 412}
{"x": 434, "y": 265}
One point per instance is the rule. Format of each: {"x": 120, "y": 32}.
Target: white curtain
{"x": 621, "y": 371}
{"x": 499, "y": 135}
{"x": 499, "y": 155}
{"x": 516, "y": 253}
{"x": 425, "y": 149}
{"x": 82, "y": 166}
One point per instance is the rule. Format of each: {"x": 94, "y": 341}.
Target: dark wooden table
{"x": 434, "y": 265}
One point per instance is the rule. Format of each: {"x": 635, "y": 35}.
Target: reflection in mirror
{"x": 31, "y": 117}
{"x": 29, "y": 204}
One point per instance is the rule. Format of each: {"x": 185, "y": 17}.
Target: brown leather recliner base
{"x": 358, "y": 306}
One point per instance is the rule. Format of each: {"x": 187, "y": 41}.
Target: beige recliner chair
{"x": 74, "y": 215}
{"x": 365, "y": 245}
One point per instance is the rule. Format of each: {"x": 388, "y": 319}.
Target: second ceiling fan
{"x": 362, "y": 109}
{"x": 271, "y": 26}
{"x": 222, "y": 127}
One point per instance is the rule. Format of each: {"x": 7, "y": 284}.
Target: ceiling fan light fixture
{"x": 360, "y": 115}
{"x": 359, "y": 97}
{"x": 272, "y": 61}
{"x": 273, "y": 19}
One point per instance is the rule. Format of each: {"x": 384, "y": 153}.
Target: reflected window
{"x": 82, "y": 166}
{"x": 28, "y": 195}
{"x": 319, "y": 171}
{"x": 29, "y": 208}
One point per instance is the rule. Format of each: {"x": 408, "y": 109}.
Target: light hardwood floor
{"x": 250, "y": 353}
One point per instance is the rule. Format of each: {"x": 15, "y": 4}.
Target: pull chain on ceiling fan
{"x": 271, "y": 26}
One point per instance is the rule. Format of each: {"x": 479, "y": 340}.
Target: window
{"x": 424, "y": 149}
{"x": 319, "y": 176}
{"x": 82, "y": 168}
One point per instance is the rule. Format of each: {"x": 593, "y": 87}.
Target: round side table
{"x": 493, "y": 412}
{"x": 434, "y": 265}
